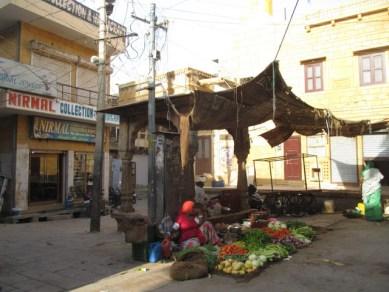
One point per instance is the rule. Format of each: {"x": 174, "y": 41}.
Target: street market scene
{"x": 170, "y": 145}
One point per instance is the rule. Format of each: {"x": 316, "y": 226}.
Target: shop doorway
{"x": 204, "y": 155}
{"x": 292, "y": 166}
{"x": 83, "y": 175}
{"x": 45, "y": 177}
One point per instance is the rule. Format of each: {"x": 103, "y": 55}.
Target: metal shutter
{"x": 343, "y": 160}
{"x": 86, "y": 82}
{"x": 62, "y": 70}
{"x": 375, "y": 146}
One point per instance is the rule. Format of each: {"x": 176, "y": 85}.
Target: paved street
{"x": 59, "y": 255}
{"x": 62, "y": 255}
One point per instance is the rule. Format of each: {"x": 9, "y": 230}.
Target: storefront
{"x": 52, "y": 152}
{"x": 46, "y": 177}
{"x": 83, "y": 170}
{"x": 376, "y": 149}
{"x": 344, "y": 160}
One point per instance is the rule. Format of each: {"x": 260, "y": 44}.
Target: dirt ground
{"x": 62, "y": 255}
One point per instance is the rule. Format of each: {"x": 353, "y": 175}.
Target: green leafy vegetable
{"x": 291, "y": 224}
{"x": 255, "y": 239}
{"x": 306, "y": 231}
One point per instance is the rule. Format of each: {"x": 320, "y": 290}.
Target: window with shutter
{"x": 313, "y": 77}
{"x": 372, "y": 69}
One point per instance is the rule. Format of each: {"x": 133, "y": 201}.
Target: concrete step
{"x": 43, "y": 216}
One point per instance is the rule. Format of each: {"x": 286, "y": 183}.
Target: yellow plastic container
{"x": 361, "y": 208}
{"x": 329, "y": 207}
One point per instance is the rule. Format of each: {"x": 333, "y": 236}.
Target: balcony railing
{"x": 82, "y": 95}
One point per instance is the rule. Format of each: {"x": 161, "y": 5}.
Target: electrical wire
{"x": 286, "y": 30}
{"x": 204, "y": 21}
{"x": 273, "y": 63}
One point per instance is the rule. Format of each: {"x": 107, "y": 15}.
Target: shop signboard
{"x": 75, "y": 110}
{"x": 85, "y": 13}
{"x": 15, "y": 75}
{"x": 52, "y": 129}
{"x": 53, "y": 107}
{"x": 31, "y": 103}
{"x": 112, "y": 119}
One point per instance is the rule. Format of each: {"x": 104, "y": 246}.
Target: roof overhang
{"x": 49, "y": 17}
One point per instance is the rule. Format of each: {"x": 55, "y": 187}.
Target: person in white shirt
{"x": 212, "y": 206}
{"x": 200, "y": 195}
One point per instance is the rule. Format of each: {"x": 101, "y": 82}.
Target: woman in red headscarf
{"x": 190, "y": 233}
{"x": 194, "y": 231}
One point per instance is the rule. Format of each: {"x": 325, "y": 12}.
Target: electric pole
{"x": 153, "y": 57}
{"x": 99, "y": 143}
{"x": 152, "y": 202}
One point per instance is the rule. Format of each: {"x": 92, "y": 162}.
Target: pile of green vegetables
{"x": 263, "y": 246}
{"x": 300, "y": 229}
{"x": 255, "y": 239}
{"x": 273, "y": 252}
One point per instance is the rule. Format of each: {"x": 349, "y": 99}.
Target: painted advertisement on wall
{"x": 23, "y": 77}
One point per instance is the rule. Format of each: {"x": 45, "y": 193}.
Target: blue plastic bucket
{"x": 155, "y": 252}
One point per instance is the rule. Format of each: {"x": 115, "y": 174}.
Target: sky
{"x": 199, "y": 31}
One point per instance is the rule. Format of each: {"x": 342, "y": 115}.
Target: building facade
{"x": 48, "y": 97}
{"x": 337, "y": 59}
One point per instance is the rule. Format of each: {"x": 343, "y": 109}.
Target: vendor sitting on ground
{"x": 212, "y": 205}
{"x": 206, "y": 227}
{"x": 193, "y": 231}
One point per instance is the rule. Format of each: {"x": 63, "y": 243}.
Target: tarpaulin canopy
{"x": 252, "y": 103}
{"x": 249, "y": 104}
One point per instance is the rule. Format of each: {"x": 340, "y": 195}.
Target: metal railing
{"x": 82, "y": 95}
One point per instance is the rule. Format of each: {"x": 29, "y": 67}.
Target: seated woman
{"x": 194, "y": 231}
{"x": 206, "y": 227}
{"x": 211, "y": 205}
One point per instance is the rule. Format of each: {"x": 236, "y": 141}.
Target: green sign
{"x": 63, "y": 130}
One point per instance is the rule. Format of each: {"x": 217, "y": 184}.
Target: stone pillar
{"x": 134, "y": 226}
{"x": 22, "y": 176}
{"x": 126, "y": 153}
{"x": 188, "y": 171}
{"x": 241, "y": 151}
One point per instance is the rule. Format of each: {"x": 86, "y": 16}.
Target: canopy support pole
{"x": 241, "y": 151}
